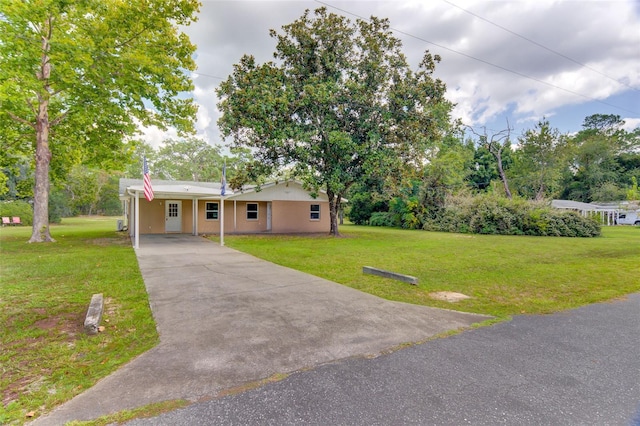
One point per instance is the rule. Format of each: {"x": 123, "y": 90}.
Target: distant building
{"x": 622, "y": 213}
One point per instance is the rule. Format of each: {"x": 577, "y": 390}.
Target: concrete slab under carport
{"x": 227, "y": 319}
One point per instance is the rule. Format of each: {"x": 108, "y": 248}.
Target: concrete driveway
{"x": 574, "y": 368}
{"x": 227, "y": 319}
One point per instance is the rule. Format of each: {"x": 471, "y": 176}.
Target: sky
{"x": 503, "y": 62}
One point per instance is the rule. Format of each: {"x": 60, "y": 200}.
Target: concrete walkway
{"x": 227, "y": 319}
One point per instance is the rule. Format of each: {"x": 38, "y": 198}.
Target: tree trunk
{"x": 333, "y": 213}
{"x": 40, "y": 231}
{"x": 540, "y": 193}
{"x": 495, "y": 146}
{"x": 503, "y": 176}
{"x": 542, "y": 187}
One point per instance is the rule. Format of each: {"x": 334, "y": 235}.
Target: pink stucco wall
{"x": 294, "y": 216}
{"x": 286, "y": 217}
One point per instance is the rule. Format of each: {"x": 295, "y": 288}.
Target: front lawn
{"x": 45, "y": 290}
{"x": 504, "y": 275}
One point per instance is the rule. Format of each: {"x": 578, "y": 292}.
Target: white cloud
{"x": 203, "y": 116}
{"x": 602, "y": 35}
{"x": 155, "y": 136}
{"x": 631, "y": 124}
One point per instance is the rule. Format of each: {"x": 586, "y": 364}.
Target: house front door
{"x": 268, "y": 216}
{"x": 173, "y": 216}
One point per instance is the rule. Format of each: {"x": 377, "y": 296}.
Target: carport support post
{"x": 194, "y": 218}
{"x": 221, "y": 220}
{"x": 137, "y": 219}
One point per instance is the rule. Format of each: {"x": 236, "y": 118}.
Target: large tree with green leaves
{"x": 77, "y": 77}
{"x": 189, "y": 159}
{"x": 540, "y": 161}
{"x": 340, "y": 103}
{"x": 602, "y": 159}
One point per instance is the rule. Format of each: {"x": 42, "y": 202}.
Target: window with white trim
{"x": 211, "y": 211}
{"x": 314, "y": 212}
{"x": 252, "y": 211}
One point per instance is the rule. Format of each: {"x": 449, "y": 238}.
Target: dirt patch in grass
{"x": 69, "y": 324}
{"x": 15, "y": 389}
{"x": 65, "y": 328}
{"x": 449, "y": 296}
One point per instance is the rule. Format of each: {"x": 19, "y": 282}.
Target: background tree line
{"x": 600, "y": 163}
{"x": 341, "y": 110}
{"x": 79, "y": 189}
{"x": 77, "y": 79}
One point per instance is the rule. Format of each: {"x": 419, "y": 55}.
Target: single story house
{"x": 199, "y": 208}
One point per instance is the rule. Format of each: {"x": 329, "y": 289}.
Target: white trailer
{"x": 628, "y": 217}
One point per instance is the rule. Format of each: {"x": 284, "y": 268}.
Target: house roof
{"x": 572, "y": 205}
{"x": 278, "y": 191}
{"x": 588, "y": 207}
{"x": 170, "y": 188}
{"x": 272, "y": 191}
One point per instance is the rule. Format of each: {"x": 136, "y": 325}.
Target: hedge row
{"x": 489, "y": 214}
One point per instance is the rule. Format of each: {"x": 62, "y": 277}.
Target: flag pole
{"x": 223, "y": 191}
{"x": 222, "y": 221}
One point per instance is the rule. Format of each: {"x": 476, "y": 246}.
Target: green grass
{"x": 45, "y": 290}
{"x": 504, "y": 275}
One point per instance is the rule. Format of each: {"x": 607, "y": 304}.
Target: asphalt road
{"x": 580, "y": 367}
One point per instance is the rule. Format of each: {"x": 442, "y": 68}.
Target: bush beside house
{"x": 490, "y": 214}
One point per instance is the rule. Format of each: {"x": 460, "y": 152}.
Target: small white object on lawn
{"x": 448, "y": 296}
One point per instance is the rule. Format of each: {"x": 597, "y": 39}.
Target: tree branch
{"x": 130, "y": 39}
{"x": 21, "y": 120}
{"x": 58, "y": 119}
{"x": 33, "y": 108}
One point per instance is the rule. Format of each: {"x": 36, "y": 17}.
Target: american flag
{"x": 223, "y": 181}
{"x": 148, "y": 190}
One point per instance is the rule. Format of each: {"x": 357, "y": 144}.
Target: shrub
{"x": 489, "y": 214}
{"x": 579, "y": 226}
{"x": 383, "y": 219}
{"x": 408, "y": 212}
{"x": 454, "y": 217}
{"x": 19, "y": 208}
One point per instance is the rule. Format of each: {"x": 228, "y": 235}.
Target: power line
{"x": 539, "y": 45}
{"x": 484, "y": 61}
{"x": 207, "y": 75}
